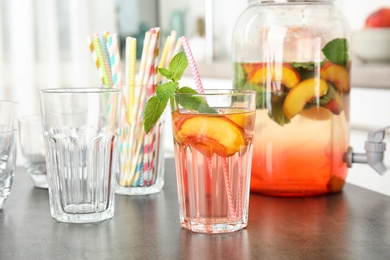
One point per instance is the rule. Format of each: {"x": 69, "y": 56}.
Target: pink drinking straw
{"x": 191, "y": 62}
{"x": 199, "y": 86}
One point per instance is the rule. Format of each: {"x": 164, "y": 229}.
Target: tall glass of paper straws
{"x": 141, "y": 168}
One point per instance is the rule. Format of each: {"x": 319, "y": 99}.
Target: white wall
{"x": 226, "y": 13}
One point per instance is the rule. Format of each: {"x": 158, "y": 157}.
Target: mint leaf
{"x": 194, "y": 102}
{"x": 239, "y": 76}
{"x": 165, "y": 91}
{"x": 177, "y": 66}
{"x": 156, "y": 105}
{"x": 153, "y": 110}
{"x": 303, "y": 65}
{"x": 205, "y": 108}
{"x": 165, "y": 73}
{"x": 276, "y": 111}
{"x": 305, "y": 69}
{"x": 187, "y": 90}
{"x": 336, "y": 51}
{"x": 329, "y": 95}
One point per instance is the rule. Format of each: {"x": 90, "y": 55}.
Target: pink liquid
{"x": 213, "y": 181}
{"x": 303, "y": 158}
{"x": 209, "y": 200}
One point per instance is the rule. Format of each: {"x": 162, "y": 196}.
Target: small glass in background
{"x": 33, "y": 149}
{"x": 8, "y": 115}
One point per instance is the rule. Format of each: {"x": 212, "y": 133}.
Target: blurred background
{"x": 43, "y": 44}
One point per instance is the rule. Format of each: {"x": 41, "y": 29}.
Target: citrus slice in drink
{"x": 243, "y": 120}
{"x": 211, "y": 134}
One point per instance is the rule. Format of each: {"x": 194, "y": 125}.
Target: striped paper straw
{"x": 171, "y": 50}
{"x": 163, "y": 58}
{"x": 150, "y": 82}
{"x": 93, "y": 52}
{"x": 149, "y": 66}
{"x": 115, "y": 59}
{"x": 151, "y": 136}
{"x": 228, "y": 188}
{"x": 157, "y": 31}
{"x": 144, "y": 57}
{"x": 136, "y": 132}
{"x": 129, "y": 138}
{"x": 198, "y": 82}
{"x": 139, "y": 170}
{"x": 191, "y": 62}
{"x": 101, "y": 60}
{"x": 131, "y": 52}
{"x": 136, "y": 160}
{"x": 177, "y": 48}
{"x": 106, "y": 34}
{"x": 124, "y": 153}
{"x": 106, "y": 58}
{"x": 156, "y": 154}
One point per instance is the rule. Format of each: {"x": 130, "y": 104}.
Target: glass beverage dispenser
{"x": 295, "y": 55}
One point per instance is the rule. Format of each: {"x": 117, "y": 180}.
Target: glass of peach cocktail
{"x": 213, "y": 153}
{"x": 302, "y": 126}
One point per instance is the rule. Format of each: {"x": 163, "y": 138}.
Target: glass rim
{"x": 220, "y": 92}
{"x": 10, "y": 130}
{"x": 92, "y": 90}
{"x": 30, "y": 118}
{"x": 3, "y": 101}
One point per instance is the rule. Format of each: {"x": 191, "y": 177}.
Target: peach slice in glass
{"x": 242, "y": 119}
{"x": 211, "y": 134}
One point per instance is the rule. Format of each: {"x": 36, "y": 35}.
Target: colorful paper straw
{"x": 131, "y": 52}
{"x": 191, "y": 62}
{"x": 100, "y": 58}
{"x": 115, "y": 59}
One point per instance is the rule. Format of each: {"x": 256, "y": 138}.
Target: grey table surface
{"x": 354, "y": 224}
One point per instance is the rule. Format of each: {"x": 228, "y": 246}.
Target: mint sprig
{"x": 156, "y": 105}
{"x": 336, "y": 51}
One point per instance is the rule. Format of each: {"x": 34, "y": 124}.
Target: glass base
{"x": 83, "y": 218}
{"x": 214, "y": 228}
{"x": 155, "y": 188}
{"x": 2, "y": 200}
{"x": 39, "y": 180}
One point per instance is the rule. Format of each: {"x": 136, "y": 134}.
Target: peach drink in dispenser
{"x": 300, "y": 68}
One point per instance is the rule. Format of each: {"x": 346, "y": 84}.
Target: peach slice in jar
{"x": 336, "y": 74}
{"x": 249, "y": 67}
{"x": 303, "y": 93}
{"x": 283, "y": 73}
{"x": 211, "y": 134}
{"x": 317, "y": 113}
